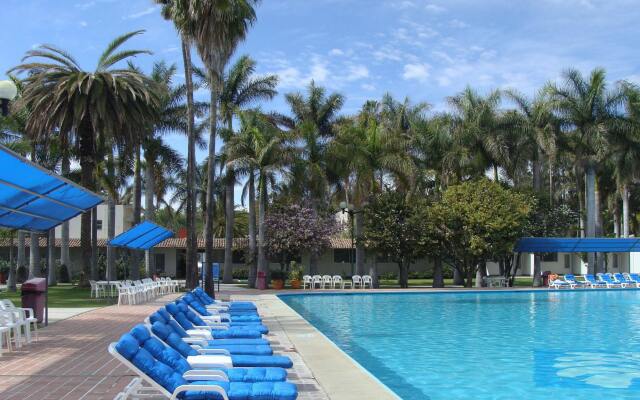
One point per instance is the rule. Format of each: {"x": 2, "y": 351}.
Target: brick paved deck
{"x": 70, "y": 359}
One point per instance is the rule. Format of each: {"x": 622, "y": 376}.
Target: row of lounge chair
{"x": 197, "y": 348}
{"x": 336, "y": 282}
{"x": 600, "y": 280}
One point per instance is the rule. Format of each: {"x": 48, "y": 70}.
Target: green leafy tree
{"x": 478, "y": 221}
{"x": 397, "y": 229}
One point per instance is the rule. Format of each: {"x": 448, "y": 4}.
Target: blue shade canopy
{"x": 143, "y": 236}
{"x": 578, "y": 245}
{"x": 35, "y": 199}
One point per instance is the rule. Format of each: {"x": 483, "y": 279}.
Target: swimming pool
{"x": 582, "y": 344}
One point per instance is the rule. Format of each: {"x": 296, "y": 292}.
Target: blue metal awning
{"x": 35, "y": 199}
{"x": 143, "y": 236}
{"x": 577, "y": 245}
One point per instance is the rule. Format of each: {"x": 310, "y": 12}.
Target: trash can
{"x": 545, "y": 278}
{"x": 261, "y": 281}
{"x": 33, "y": 296}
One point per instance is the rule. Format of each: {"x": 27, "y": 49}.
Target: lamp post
{"x": 350, "y": 209}
{"x": 8, "y": 92}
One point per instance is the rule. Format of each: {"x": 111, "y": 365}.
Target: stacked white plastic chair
{"x": 357, "y": 281}
{"x": 327, "y": 282}
{"x": 367, "y": 280}
{"x": 307, "y": 280}
{"x": 316, "y": 280}
{"x": 22, "y": 321}
{"x": 6, "y": 326}
{"x": 337, "y": 282}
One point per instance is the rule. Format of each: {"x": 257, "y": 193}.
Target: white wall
{"x": 124, "y": 221}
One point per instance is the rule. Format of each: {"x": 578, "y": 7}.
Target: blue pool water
{"x": 493, "y": 345}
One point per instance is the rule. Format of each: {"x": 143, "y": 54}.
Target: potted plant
{"x": 277, "y": 279}
{"x": 4, "y": 271}
{"x": 295, "y": 275}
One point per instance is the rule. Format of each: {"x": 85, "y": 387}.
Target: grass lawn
{"x": 64, "y": 295}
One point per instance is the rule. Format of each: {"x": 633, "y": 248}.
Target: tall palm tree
{"x": 536, "y": 131}
{"x": 170, "y": 12}
{"x": 241, "y": 88}
{"x": 260, "y": 150}
{"x": 313, "y": 121}
{"x": 216, "y": 28}
{"x": 588, "y": 110}
{"x": 86, "y": 104}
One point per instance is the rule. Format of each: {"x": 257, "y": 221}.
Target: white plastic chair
{"x": 5, "y": 331}
{"x": 306, "y": 280}
{"x": 24, "y": 317}
{"x": 327, "y": 282}
{"x": 8, "y": 319}
{"x": 367, "y": 280}
{"x": 357, "y": 281}
{"x": 337, "y": 282}
{"x": 316, "y": 280}
{"x": 96, "y": 289}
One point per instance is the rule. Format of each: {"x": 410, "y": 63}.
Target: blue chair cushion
{"x": 177, "y": 329}
{"x": 183, "y": 321}
{"x": 250, "y": 325}
{"x": 144, "y": 361}
{"x": 256, "y": 374}
{"x": 155, "y": 347}
{"x": 244, "y": 349}
{"x": 173, "y": 359}
{"x": 161, "y": 330}
{"x": 127, "y": 346}
{"x": 157, "y": 317}
{"x": 141, "y": 333}
{"x": 238, "y": 341}
{"x": 245, "y": 318}
{"x": 261, "y": 361}
{"x": 234, "y": 333}
{"x": 180, "y": 346}
{"x": 246, "y": 391}
{"x": 166, "y": 377}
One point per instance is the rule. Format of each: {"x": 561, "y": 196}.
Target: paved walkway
{"x": 70, "y": 359}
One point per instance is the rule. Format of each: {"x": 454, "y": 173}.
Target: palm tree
{"x": 535, "y": 134}
{"x": 107, "y": 101}
{"x": 241, "y": 88}
{"x": 170, "y": 12}
{"x": 313, "y": 124}
{"x": 216, "y": 28}
{"x": 588, "y": 110}
{"x": 260, "y": 150}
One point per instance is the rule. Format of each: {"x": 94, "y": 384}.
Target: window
{"x": 99, "y": 224}
{"x": 160, "y": 263}
{"x": 567, "y": 261}
{"x": 550, "y": 257}
{"x": 344, "y": 255}
{"x": 616, "y": 260}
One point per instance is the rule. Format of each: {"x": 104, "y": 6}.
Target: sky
{"x": 424, "y": 49}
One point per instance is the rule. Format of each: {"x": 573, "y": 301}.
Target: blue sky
{"x": 424, "y": 49}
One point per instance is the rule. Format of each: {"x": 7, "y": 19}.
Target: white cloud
{"x": 319, "y": 70}
{"x": 357, "y": 72}
{"x": 368, "y": 87}
{"x": 434, "y": 8}
{"x": 142, "y": 13}
{"x": 83, "y": 24}
{"x": 419, "y": 72}
{"x": 336, "y": 52}
{"x": 456, "y": 23}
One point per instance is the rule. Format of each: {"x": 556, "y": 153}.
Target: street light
{"x": 8, "y": 92}
{"x": 350, "y": 209}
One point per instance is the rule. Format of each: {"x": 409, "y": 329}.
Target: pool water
{"x": 582, "y": 344}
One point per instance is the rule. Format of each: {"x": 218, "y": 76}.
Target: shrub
{"x": 276, "y": 275}
{"x": 241, "y": 274}
{"x": 63, "y": 274}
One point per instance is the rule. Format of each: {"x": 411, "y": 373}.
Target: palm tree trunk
{"x": 65, "y": 260}
{"x": 600, "y": 257}
{"x": 134, "y": 267}
{"x": 263, "y": 266}
{"x": 590, "y": 195}
{"x": 616, "y": 218}
{"x": 537, "y": 187}
{"x": 211, "y": 174}
{"x": 373, "y": 272}
{"x": 253, "y": 268}
{"x": 51, "y": 255}
{"x": 13, "y": 267}
{"x": 537, "y": 267}
{"x": 20, "y": 257}
{"x": 360, "y": 254}
{"x": 95, "y": 273}
{"x": 87, "y": 166}
{"x": 192, "y": 250}
{"x": 481, "y": 272}
{"x": 111, "y": 224}
{"x": 625, "y": 210}
{"x": 228, "y": 228}
{"x": 149, "y": 208}
{"x": 34, "y": 256}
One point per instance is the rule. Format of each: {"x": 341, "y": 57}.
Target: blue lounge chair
{"x": 163, "y": 330}
{"x": 608, "y": 281}
{"x": 227, "y": 315}
{"x": 618, "y": 277}
{"x": 632, "y": 281}
{"x": 165, "y": 353}
{"x": 190, "y": 385}
{"x": 571, "y": 280}
{"x": 235, "y": 305}
{"x": 199, "y": 334}
{"x": 196, "y": 317}
{"x": 592, "y": 282}
{"x": 178, "y": 344}
{"x": 217, "y": 332}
